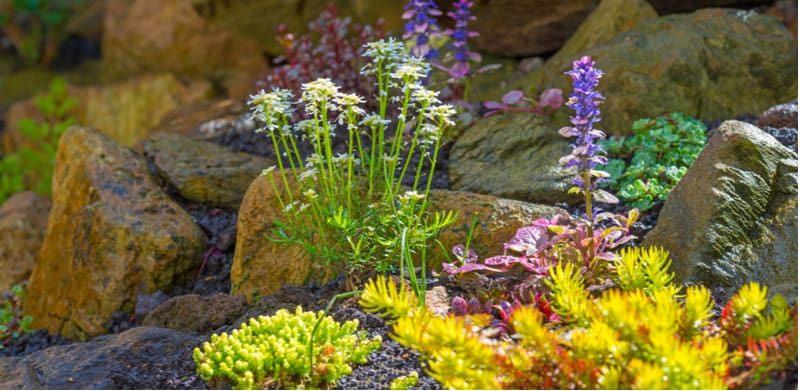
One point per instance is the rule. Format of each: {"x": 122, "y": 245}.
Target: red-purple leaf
{"x": 493, "y": 105}
{"x": 512, "y": 97}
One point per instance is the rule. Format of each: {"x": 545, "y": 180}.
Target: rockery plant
{"x": 350, "y": 211}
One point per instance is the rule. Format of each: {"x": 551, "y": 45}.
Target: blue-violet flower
{"x": 421, "y": 16}
{"x": 462, "y": 54}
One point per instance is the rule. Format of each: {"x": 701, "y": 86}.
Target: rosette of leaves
{"x": 645, "y": 333}
{"x": 273, "y": 351}
{"x": 646, "y": 166}
{"x": 13, "y": 323}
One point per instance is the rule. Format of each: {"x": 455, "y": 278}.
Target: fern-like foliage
{"x": 381, "y": 294}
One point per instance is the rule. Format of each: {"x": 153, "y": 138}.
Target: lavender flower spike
{"x": 586, "y": 155}
{"x": 422, "y": 24}
{"x": 460, "y": 34}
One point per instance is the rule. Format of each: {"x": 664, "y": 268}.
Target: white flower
{"x": 268, "y": 171}
{"x": 347, "y": 100}
{"x": 428, "y": 134}
{"x": 383, "y": 50}
{"x": 374, "y": 120}
{"x": 424, "y": 96}
{"x": 318, "y": 94}
{"x": 412, "y": 69}
{"x": 408, "y": 196}
{"x": 310, "y": 173}
{"x": 441, "y": 113}
{"x": 271, "y": 108}
{"x": 310, "y": 194}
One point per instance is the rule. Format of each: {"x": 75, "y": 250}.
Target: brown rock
{"x": 126, "y": 110}
{"x": 197, "y": 313}
{"x": 261, "y": 266}
{"x": 23, "y": 220}
{"x": 202, "y": 120}
{"x": 779, "y": 116}
{"x": 517, "y": 28}
{"x": 170, "y": 36}
{"x": 202, "y": 171}
{"x": 112, "y": 234}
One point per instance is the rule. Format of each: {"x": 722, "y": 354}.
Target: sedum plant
{"x": 273, "y": 352}
{"x": 31, "y": 165}
{"x": 641, "y": 335}
{"x": 13, "y": 322}
{"x": 351, "y": 211}
{"x": 652, "y": 161}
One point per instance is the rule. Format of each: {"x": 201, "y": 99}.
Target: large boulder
{"x": 140, "y": 358}
{"x": 125, "y": 110}
{"x": 261, "y": 267}
{"x": 712, "y": 64}
{"x": 609, "y": 19}
{"x": 23, "y": 220}
{"x": 143, "y": 36}
{"x": 112, "y": 234}
{"x": 202, "y": 171}
{"x": 512, "y": 155}
{"x": 733, "y": 216}
{"x": 257, "y": 19}
{"x": 516, "y": 28}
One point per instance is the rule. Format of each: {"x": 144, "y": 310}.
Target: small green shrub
{"x": 30, "y": 167}
{"x": 650, "y": 163}
{"x": 13, "y": 323}
{"x": 273, "y": 351}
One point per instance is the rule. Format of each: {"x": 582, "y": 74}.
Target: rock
{"x": 676, "y": 6}
{"x": 786, "y": 12}
{"x": 112, "y": 234}
{"x": 140, "y": 358}
{"x": 202, "y": 171}
{"x": 517, "y": 28}
{"x": 609, "y": 19}
{"x": 87, "y": 20}
{"x": 23, "y": 220}
{"x": 437, "y": 300}
{"x": 712, "y": 64}
{"x": 257, "y": 19}
{"x": 779, "y": 116}
{"x": 512, "y": 155}
{"x": 202, "y": 120}
{"x": 733, "y": 216}
{"x": 261, "y": 267}
{"x": 197, "y": 313}
{"x": 126, "y": 110}
{"x": 143, "y": 36}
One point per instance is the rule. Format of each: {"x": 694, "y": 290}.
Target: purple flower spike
{"x": 586, "y": 155}
{"x": 460, "y": 34}
{"x": 421, "y": 16}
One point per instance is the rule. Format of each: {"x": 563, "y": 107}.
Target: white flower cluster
{"x": 381, "y": 52}
{"x": 271, "y": 108}
{"x": 318, "y": 94}
{"x": 411, "y": 69}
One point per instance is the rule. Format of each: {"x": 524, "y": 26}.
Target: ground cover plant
{"x": 648, "y": 164}
{"x": 286, "y": 350}
{"x": 13, "y": 322}
{"x": 350, "y": 211}
{"x": 30, "y": 167}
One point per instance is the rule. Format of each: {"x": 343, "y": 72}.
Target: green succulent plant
{"x": 644, "y": 167}
{"x": 271, "y": 351}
